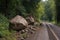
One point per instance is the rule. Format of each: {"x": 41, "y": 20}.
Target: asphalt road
{"x": 41, "y": 34}
{"x": 44, "y": 33}
{"x": 56, "y": 29}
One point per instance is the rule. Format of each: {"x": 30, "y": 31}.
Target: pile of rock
{"x": 22, "y": 25}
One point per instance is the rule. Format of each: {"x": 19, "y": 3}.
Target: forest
{"x": 40, "y": 10}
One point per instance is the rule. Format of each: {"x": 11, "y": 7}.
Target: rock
{"x": 22, "y": 38}
{"x": 23, "y": 31}
{"x": 41, "y": 24}
{"x": 18, "y": 23}
{"x": 31, "y": 31}
{"x": 26, "y": 30}
{"x": 30, "y": 20}
{"x": 37, "y": 24}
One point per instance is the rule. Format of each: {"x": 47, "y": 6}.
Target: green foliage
{"x": 32, "y": 7}
{"x": 57, "y": 2}
{"x": 48, "y": 12}
{"x": 4, "y": 25}
{"x": 3, "y": 22}
{"x": 37, "y": 8}
{"x": 40, "y": 10}
{"x": 20, "y": 7}
{"x": 53, "y": 9}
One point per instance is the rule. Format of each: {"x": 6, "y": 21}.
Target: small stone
{"x": 23, "y": 31}
{"x": 22, "y": 38}
{"x": 26, "y": 30}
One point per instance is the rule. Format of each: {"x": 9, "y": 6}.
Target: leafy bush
{"x": 4, "y": 25}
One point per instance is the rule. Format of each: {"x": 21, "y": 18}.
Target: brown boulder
{"x": 18, "y": 23}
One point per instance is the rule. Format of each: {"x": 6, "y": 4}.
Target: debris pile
{"x": 24, "y": 27}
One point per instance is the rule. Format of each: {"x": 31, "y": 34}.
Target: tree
{"x": 49, "y": 10}
{"x": 58, "y": 10}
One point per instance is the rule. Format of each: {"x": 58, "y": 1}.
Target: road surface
{"x": 44, "y": 33}
{"x": 41, "y": 34}
{"x": 56, "y": 29}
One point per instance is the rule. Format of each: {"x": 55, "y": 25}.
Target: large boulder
{"x": 18, "y": 23}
